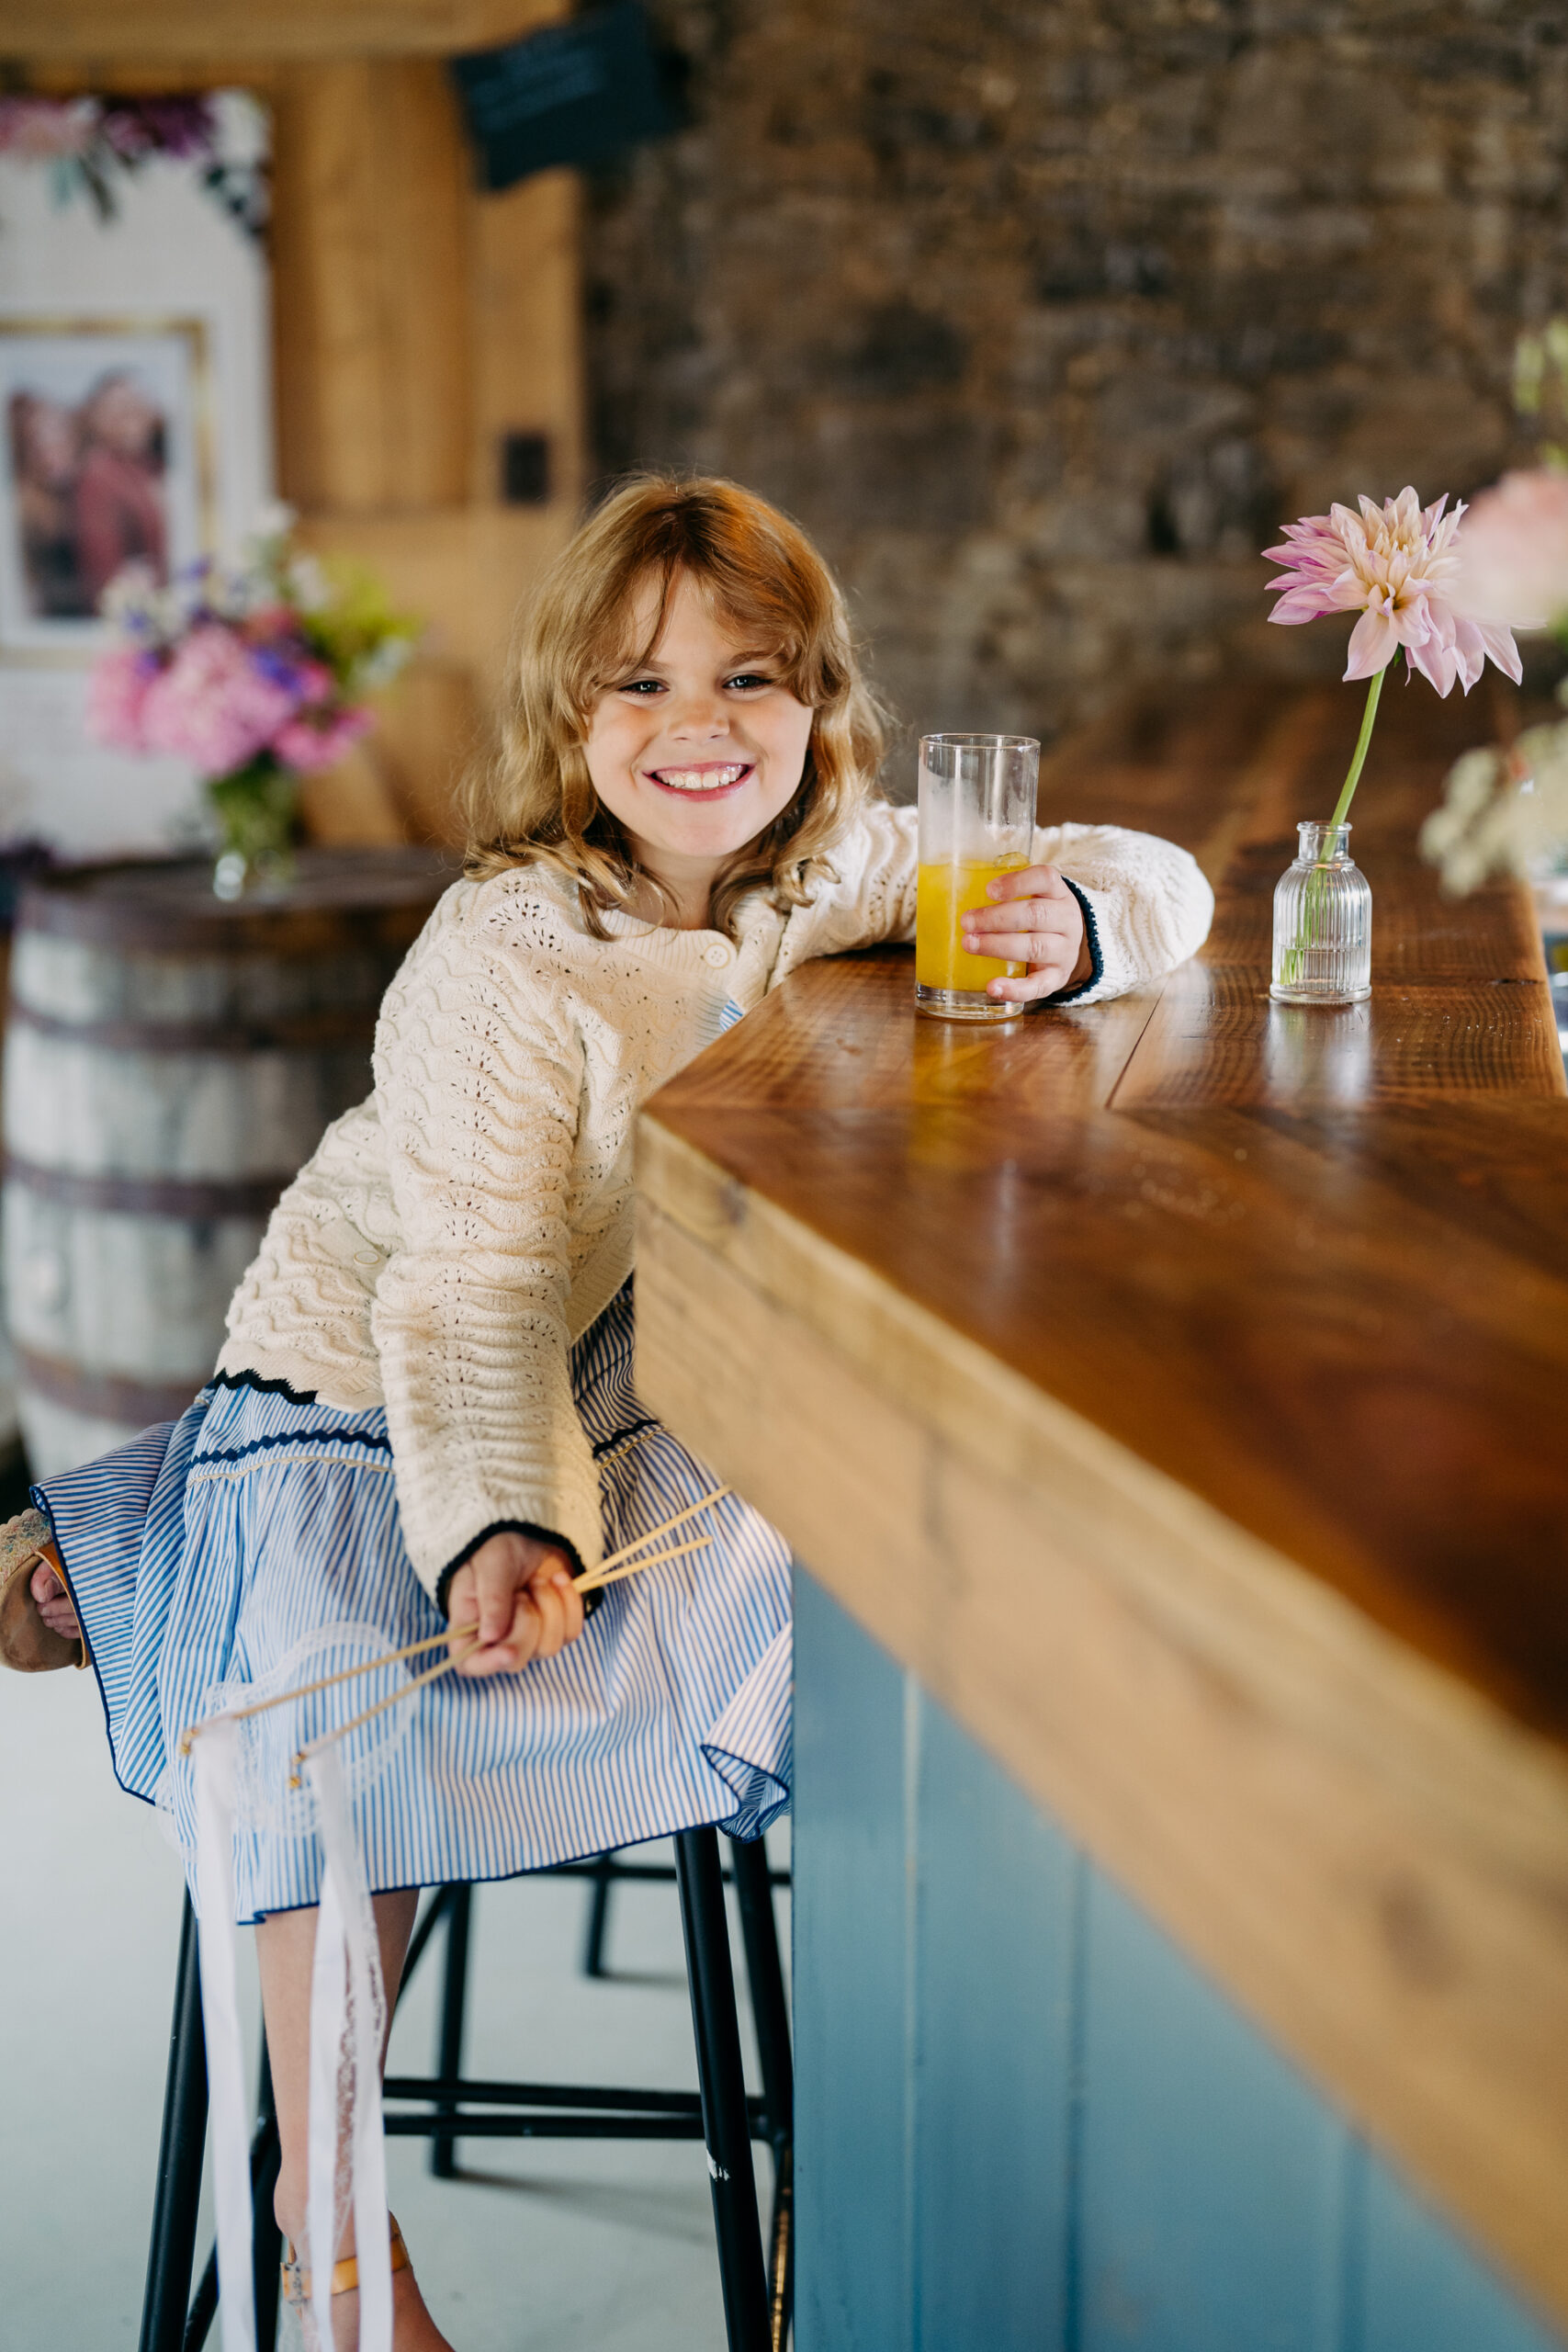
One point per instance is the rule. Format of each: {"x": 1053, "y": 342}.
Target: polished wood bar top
{"x": 1181, "y": 1388}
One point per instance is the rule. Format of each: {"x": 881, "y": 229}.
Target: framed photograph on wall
{"x": 107, "y": 459}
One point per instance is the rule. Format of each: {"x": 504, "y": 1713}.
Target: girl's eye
{"x": 643, "y": 686}
{"x": 748, "y": 681}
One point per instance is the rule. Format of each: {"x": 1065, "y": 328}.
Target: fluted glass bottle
{"x": 1323, "y": 923}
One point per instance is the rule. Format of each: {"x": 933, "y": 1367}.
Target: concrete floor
{"x": 541, "y": 2247}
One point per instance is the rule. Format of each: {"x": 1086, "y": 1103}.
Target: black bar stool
{"x": 447, "y": 2106}
{"x": 608, "y": 1871}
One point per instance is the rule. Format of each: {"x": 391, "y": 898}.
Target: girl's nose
{"x": 697, "y": 714}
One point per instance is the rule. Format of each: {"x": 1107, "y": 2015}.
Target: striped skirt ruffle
{"x": 254, "y": 1545}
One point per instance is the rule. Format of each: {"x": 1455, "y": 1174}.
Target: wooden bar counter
{"x": 1168, "y": 1405}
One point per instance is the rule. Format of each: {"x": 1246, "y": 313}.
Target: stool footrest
{"x": 550, "y": 2111}
{"x": 492, "y": 2124}
{"x": 656, "y": 1873}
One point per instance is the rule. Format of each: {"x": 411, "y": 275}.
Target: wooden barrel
{"x": 171, "y": 1061}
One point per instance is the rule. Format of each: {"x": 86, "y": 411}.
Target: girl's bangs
{"x": 764, "y": 625}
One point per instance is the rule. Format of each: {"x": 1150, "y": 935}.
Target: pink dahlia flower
{"x": 116, "y": 696}
{"x": 1513, "y": 562}
{"x": 307, "y": 745}
{"x": 213, "y": 705}
{"x": 1394, "y": 564}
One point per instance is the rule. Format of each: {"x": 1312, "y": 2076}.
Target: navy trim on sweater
{"x": 268, "y": 1387}
{"x": 505, "y": 1527}
{"x": 1091, "y": 933}
{"x": 295, "y": 1436}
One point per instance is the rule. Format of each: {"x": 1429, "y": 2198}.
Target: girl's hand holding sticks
{"x": 520, "y": 1594}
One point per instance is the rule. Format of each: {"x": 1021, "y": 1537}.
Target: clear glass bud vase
{"x": 1323, "y": 923}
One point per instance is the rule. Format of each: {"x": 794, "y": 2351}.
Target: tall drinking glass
{"x": 978, "y": 796}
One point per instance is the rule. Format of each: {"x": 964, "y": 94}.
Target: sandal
{"x": 26, "y": 1642}
{"x": 346, "y": 2274}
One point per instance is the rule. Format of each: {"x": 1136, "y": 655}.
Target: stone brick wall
{"x": 1040, "y": 314}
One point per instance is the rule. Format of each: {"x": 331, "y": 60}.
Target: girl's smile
{"x": 697, "y": 749}
{"x": 718, "y": 776}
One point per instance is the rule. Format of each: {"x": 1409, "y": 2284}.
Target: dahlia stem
{"x": 1358, "y": 759}
{"x": 1309, "y": 922}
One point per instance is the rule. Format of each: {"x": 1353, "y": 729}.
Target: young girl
{"x": 424, "y": 1413}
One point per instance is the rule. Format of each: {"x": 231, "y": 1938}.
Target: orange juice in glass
{"x": 976, "y": 820}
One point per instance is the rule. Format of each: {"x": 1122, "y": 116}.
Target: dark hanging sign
{"x": 576, "y": 92}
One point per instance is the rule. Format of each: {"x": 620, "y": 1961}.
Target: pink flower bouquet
{"x": 254, "y": 676}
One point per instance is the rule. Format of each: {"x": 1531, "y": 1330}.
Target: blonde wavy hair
{"x": 530, "y": 800}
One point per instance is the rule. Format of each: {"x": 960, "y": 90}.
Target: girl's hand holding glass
{"x": 1035, "y": 919}
{"x": 520, "y": 1593}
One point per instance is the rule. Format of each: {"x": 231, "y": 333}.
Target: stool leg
{"x": 453, "y": 2010}
{"x": 598, "y": 1916}
{"x": 764, "y": 1971}
{"x": 726, "y": 2125}
{"x": 770, "y": 2010}
{"x": 266, "y": 2238}
{"x": 172, "y": 2249}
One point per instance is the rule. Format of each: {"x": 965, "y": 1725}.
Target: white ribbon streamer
{"x": 347, "y": 2017}
{"x": 328, "y": 2007}
{"x": 214, "y": 1765}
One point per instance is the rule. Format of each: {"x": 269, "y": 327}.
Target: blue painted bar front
{"x": 1025, "y": 2122}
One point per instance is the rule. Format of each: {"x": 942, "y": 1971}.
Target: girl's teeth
{"x": 699, "y": 779}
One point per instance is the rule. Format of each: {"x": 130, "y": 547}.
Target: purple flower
{"x": 136, "y": 128}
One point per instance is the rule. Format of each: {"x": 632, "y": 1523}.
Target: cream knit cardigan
{"x": 453, "y": 1236}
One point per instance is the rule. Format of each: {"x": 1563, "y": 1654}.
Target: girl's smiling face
{"x": 699, "y": 749}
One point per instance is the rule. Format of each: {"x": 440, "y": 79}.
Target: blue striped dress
{"x": 255, "y": 1545}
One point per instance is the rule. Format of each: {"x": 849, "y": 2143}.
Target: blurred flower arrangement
{"x": 255, "y": 675}
{"x": 90, "y": 145}
{"x": 1506, "y": 810}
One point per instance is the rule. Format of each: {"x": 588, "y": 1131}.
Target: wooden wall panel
{"x": 997, "y": 1907}
{"x": 528, "y": 352}
{"x": 851, "y": 2180}
{"x": 1417, "y": 2287}
{"x": 372, "y": 245}
{"x": 1024, "y": 2122}
{"x": 1211, "y": 2179}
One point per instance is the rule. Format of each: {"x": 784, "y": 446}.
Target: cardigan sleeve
{"x": 477, "y": 1086}
{"x": 1147, "y": 904}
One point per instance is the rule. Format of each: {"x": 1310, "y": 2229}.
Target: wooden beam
{"x": 92, "y": 32}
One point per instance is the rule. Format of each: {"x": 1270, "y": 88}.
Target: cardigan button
{"x": 717, "y": 955}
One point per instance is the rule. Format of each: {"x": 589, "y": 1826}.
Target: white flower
{"x": 1503, "y": 812}
{"x": 381, "y": 665}
{"x": 274, "y": 522}
{"x": 306, "y": 584}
